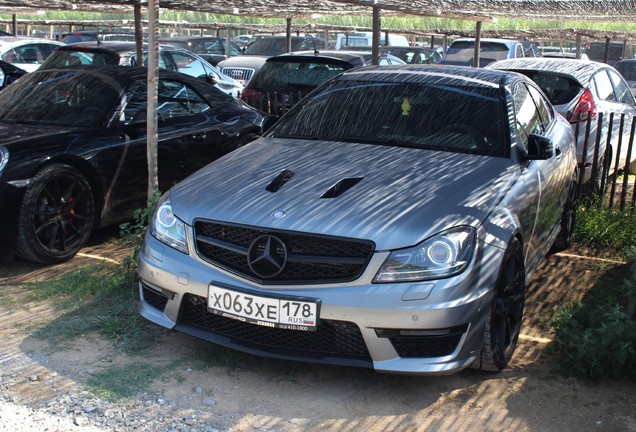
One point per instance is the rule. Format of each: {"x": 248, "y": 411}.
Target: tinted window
{"x": 604, "y": 87}
{"x": 59, "y": 98}
{"x": 545, "y": 112}
{"x": 402, "y": 115}
{"x": 627, "y": 69}
{"x": 175, "y": 100}
{"x": 295, "y": 75}
{"x": 528, "y": 118}
{"x": 559, "y": 89}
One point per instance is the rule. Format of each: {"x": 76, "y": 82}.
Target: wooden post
{"x": 444, "y": 44}
{"x": 386, "y": 38}
{"x": 15, "y": 25}
{"x": 288, "y": 34}
{"x": 432, "y": 41}
{"x": 153, "y": 81}
{"x": 477, "y": 44}
{"x": 578, "y": 45}
{"x": 375, "y": 40}
{"x": 607, "y": 45}
{"x": 139, "y": 34}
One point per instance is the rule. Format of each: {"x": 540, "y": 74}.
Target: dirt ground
{"x": 45, "y": 389}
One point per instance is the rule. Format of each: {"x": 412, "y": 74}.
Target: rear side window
{"x": 463, "y": 52}
{"x": 622, "y": 90}
{"x": 604, "y": 87}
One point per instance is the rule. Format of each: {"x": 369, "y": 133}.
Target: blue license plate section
{"x": 280, "y": 312}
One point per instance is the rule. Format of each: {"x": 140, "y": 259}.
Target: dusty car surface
{"x": 390, "y": 220}
{"x": 73, "y": 150}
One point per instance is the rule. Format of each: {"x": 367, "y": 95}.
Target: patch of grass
{"x": 102, "y": 298}
{"x": 121, "y": 382}
{"x": 598, "y": 226}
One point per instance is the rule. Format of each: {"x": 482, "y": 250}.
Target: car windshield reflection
{"x": 426, "y": 116}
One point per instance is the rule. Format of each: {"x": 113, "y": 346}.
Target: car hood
{"x": 403, "y": 195}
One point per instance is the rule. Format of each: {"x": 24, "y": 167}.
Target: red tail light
{"x": 585, "y": 108}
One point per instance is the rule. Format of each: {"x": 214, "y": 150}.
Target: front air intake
{"x": 279, "y": 181}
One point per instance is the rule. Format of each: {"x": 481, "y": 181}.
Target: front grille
{"x": 310, "y": 258}
{"x": 238, "y": 73}
{"x": 332, "y": 338}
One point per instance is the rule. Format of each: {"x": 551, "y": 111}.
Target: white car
{"x": 26, "y": 52}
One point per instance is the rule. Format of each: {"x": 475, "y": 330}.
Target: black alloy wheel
{"x": 504, "y": 323}
{"x": 56, "y": 215}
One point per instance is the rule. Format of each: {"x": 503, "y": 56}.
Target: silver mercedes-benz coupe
{"x": 390, "y": 220}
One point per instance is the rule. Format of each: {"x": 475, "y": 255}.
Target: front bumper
{"x": 432, "y": 327}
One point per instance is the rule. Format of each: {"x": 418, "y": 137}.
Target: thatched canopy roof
{"x": 480, "y": 10}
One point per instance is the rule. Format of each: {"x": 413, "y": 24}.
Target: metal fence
{"x": 613, "y": 166}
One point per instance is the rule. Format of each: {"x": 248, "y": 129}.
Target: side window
{"x": 528, "y": 118}
{"x": 135, "y": 109}
{"x": 188, "y": 64}
{"x": 29, "y": 54}
{"x": 545, "y": 112}
{"x": 622, "y": 90}
{"x": 604, "y": 87}
{"x": 178, "y": 100}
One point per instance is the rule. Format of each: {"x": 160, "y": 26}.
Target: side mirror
{"x": 269, "y": 122}
{"x": 539, "y": 147}
{"x": 212, "y": 79}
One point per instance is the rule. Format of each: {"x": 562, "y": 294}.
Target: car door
{"x": 541, "y": 177}
{"x": 624, "y": 98}
{"x": 190, "y": 136}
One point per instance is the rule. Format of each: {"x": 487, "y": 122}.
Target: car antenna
{"x": 313, "y": 43}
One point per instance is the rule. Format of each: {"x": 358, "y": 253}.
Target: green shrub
{"x": 597, "y": 337}
{"x": 602, "y": 227}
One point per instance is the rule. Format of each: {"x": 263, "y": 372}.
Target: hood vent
{"x": 279, "y": 181}
{"x": 341, "y": 187}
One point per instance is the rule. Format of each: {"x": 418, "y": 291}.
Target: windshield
{"x": 462, "y": 53}
{"x": 70, "y": 98}
{"x": 296, "y": 74}
{"x": 419, "y": 115}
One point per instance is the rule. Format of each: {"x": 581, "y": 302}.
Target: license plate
{"x": 280, "y": 312}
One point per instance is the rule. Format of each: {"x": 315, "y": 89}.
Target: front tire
{"x": 56, "y": 215}
{"x": 506, "y": 312}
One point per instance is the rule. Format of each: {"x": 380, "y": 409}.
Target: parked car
{"x": 9, "y": 73}
{"x": 25, "y": 52}
{"x": 609, "y": 53}
{"x": 365, "y": 39}
{"x": 73, "y": 150}
{"x": 462, "y": 51}
{"x": 580, "y": 90}
{"x": 390, "y": 220}
{"x": 285, "y": 79}
{"x": 211, "y": 49}
{"x": 243, "y": 40}
{"x": 242, "y": 67}
{"x": 79, "y": 36}
{"x": 412, "y": 55}
{"x": 627, "y": 69}
{"x": 125, "y": 54}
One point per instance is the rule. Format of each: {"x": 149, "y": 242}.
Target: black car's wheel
{"x": 504, "y": 323}
{"x": 568, "y": 220}
{"x": 56, "y": 215}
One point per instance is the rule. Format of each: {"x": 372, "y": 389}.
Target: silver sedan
{"x": 389, "y": 220}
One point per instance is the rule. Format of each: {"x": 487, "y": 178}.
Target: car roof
{"x": 189, "y": 38}
{"x": 450, "y": 75}
{"x": 507, "y": 42}
{"x": 581, "y": 70}
{"x": 326, "y": 54}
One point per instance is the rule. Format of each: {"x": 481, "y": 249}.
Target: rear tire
{"x": 506, "y": 313}
{"x": 56, "y": 215}
{"x": 568, "y": 221}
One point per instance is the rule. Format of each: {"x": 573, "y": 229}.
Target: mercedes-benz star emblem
{"x": 267, "y": 256}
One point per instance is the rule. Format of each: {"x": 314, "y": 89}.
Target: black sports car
{"x": 73, "y": 150}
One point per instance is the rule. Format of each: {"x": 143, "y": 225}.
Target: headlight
{"x": 443, "y": 255}
{"x": 167, "y": 228}
{"x": 4, "y": 158}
